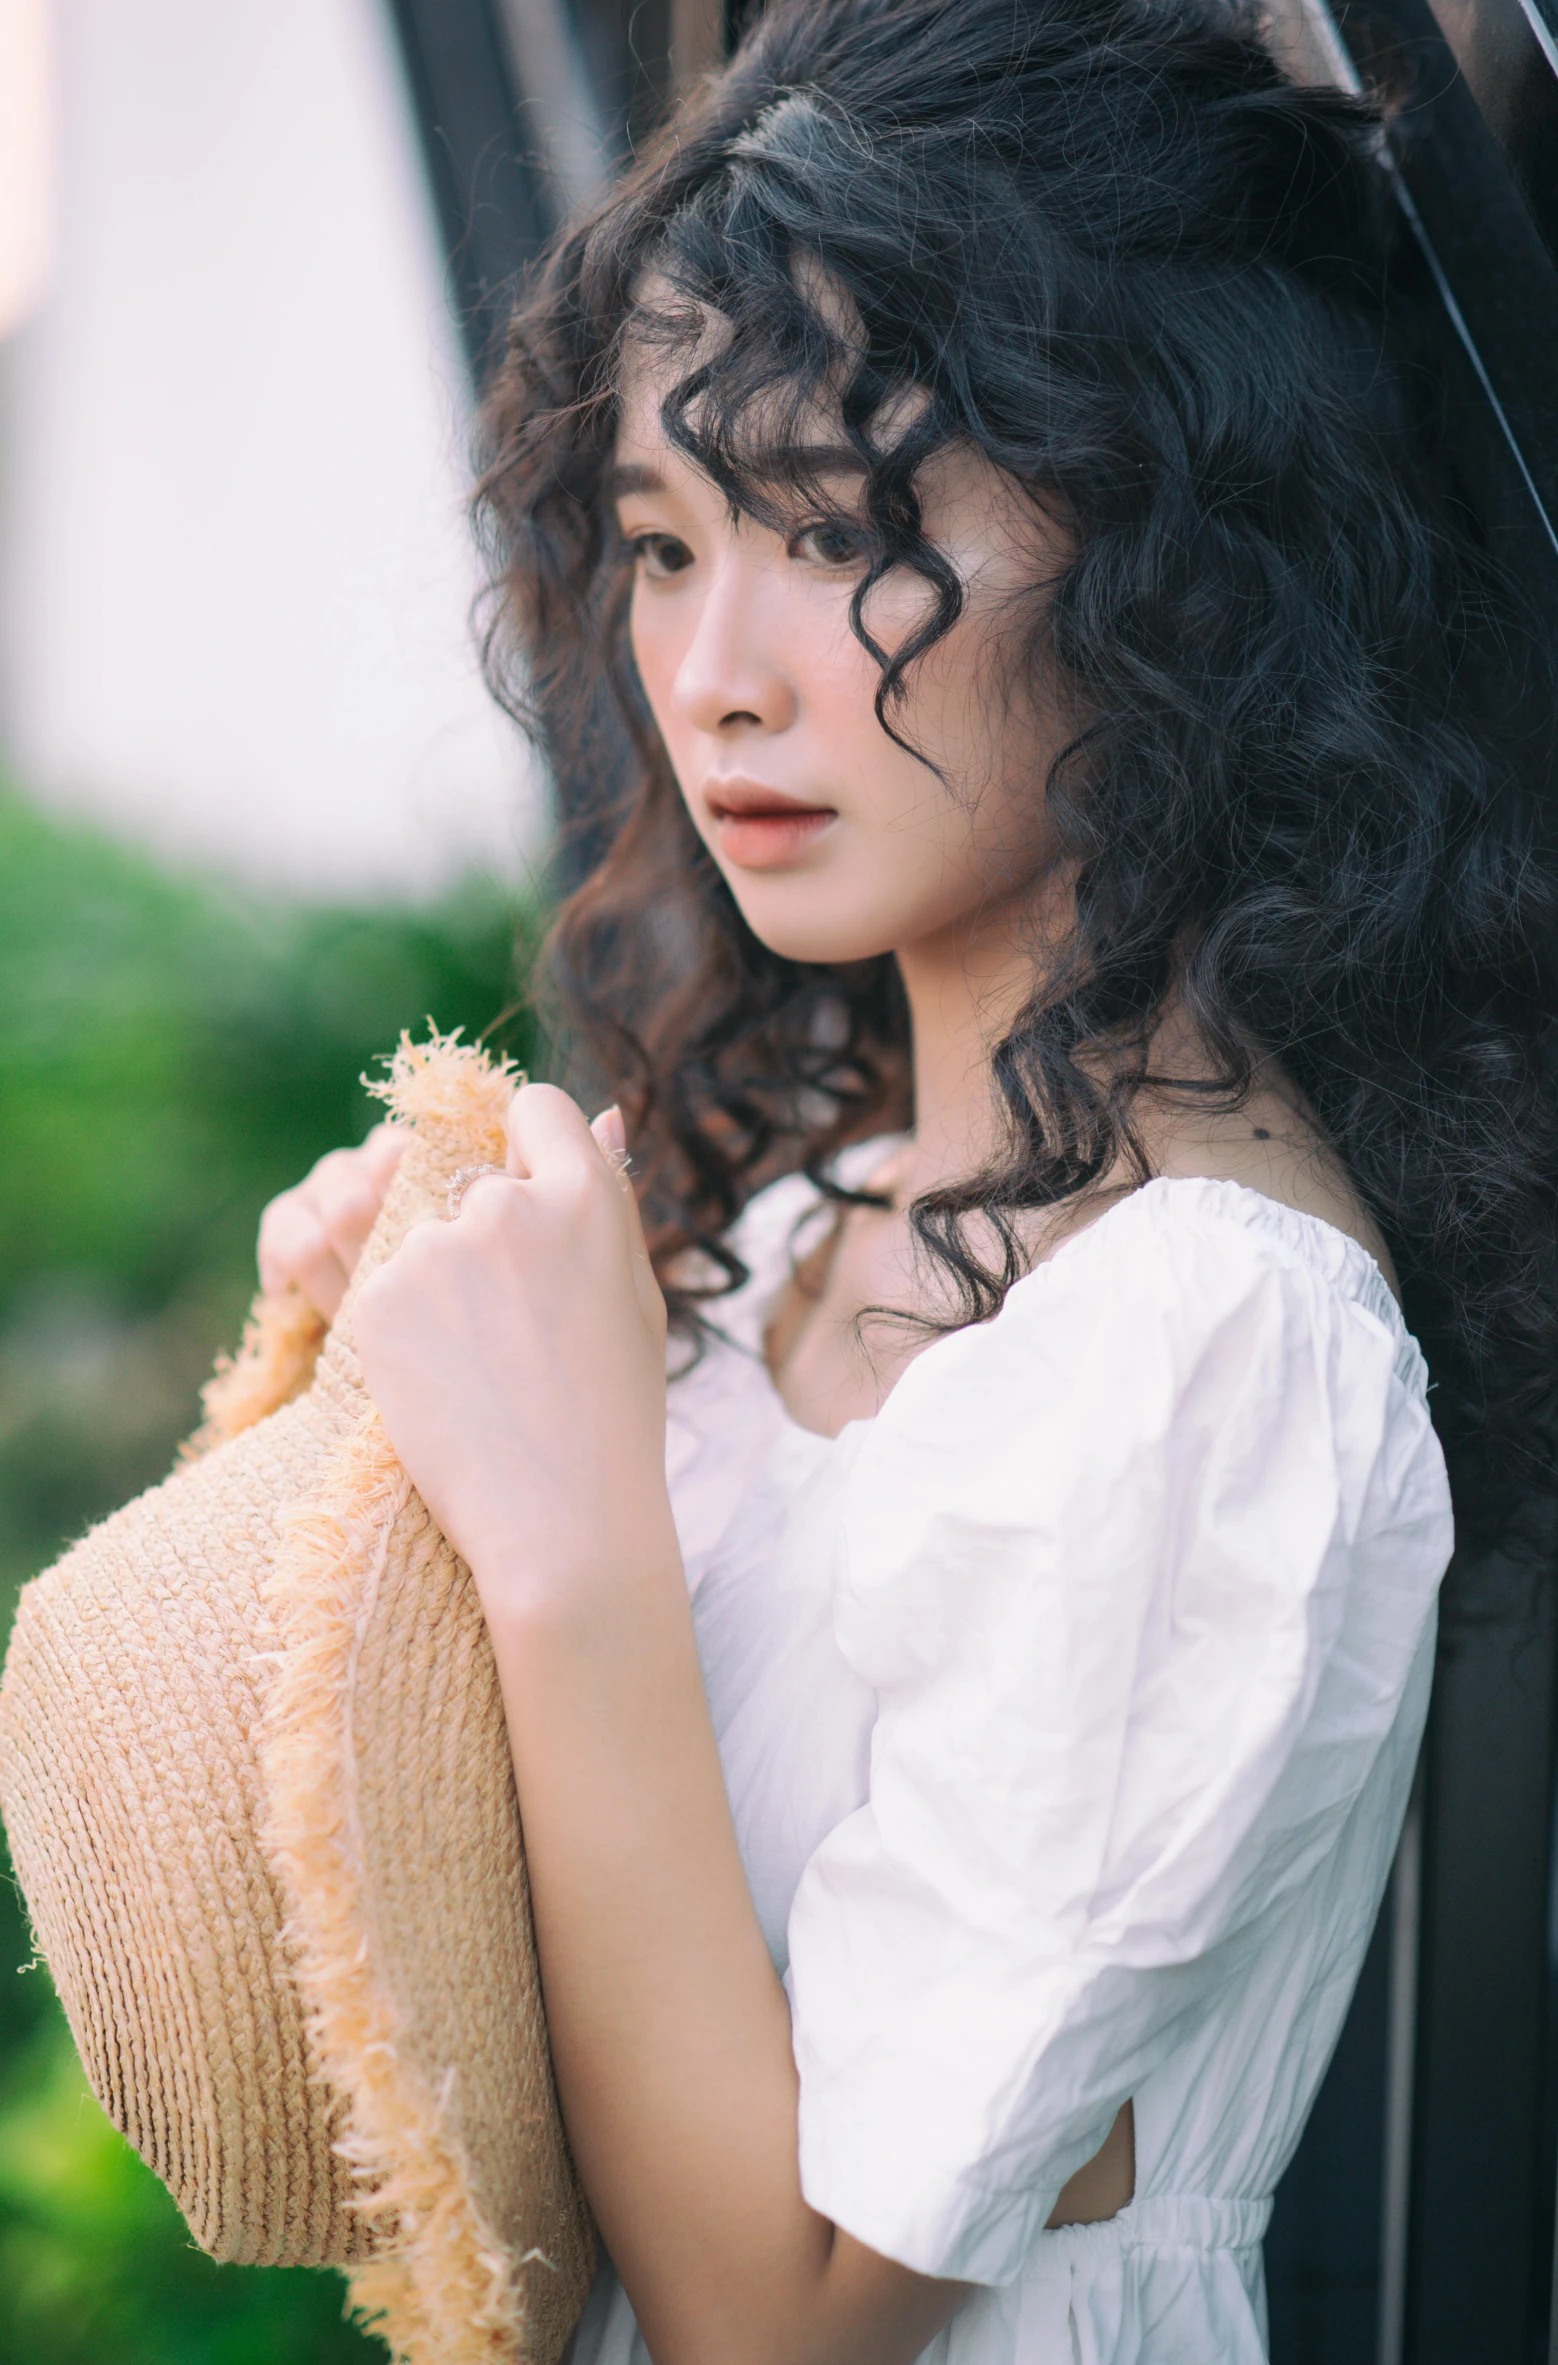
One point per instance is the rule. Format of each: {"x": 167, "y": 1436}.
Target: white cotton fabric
{"x": 1068, "y": 1711}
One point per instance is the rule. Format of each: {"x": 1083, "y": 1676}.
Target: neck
{"x": 965, "y": 986}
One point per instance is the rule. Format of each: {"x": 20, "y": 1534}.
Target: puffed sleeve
{"x": 1138, "y": 1573}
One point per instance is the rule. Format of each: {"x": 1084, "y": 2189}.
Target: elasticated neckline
{"x": 778, "y": 1215}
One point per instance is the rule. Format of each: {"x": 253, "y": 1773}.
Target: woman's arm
{"x": 670, "y": 2030}
{"x": 517, "y": 1357}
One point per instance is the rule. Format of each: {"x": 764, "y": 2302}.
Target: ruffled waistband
{"x": 1157, "y": 2221}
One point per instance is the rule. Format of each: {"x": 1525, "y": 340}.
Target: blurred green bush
{"x": 171, "y": 1054}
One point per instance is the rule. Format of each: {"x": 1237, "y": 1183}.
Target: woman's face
{"x": 837, "y": 843}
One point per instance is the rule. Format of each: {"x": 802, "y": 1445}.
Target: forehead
{"x": 783, "y": 448}
{"x": 665, "y": 338}
{"x": 788, "y": 414}
{"x": 782, "y": 432}
{"x": 645, "y": 381}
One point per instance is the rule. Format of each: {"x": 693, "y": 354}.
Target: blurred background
{"x": 257, "y": 814}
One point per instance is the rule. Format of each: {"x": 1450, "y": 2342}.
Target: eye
{"x": 659, "y": 555}
{"x": 827, "y": 543}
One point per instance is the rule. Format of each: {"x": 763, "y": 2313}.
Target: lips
{"x": 761, "y": 828}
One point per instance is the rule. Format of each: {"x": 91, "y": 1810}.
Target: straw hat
{"x": 257, "y": 1783}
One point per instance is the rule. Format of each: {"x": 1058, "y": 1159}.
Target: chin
{"x": 801, "y": 920}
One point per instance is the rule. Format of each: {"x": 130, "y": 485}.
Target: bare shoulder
{"x": 1272, "y": 1144}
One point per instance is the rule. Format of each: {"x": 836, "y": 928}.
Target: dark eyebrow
{"x": 622, "y": 481}
{"x": 819, "y": 460}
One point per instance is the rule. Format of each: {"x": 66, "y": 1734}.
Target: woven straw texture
{"x": 256, "y": 1778}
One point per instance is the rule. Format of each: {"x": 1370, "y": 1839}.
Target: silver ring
{"x": 461, "y": 1182}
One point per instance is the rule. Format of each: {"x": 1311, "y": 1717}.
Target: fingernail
{"x": 610, "y": 1131}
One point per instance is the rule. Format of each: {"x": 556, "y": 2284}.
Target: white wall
{"x": 234, "y": 573}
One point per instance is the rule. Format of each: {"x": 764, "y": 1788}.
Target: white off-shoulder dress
{"x": 1068, "y": 1710}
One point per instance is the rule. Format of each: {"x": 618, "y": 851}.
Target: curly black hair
{"x": 1120, "y": 254}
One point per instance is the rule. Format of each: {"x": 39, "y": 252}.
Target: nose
{"x": 732, "y": 679}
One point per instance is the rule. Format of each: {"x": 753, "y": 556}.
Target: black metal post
{"x": 495, "y": 209}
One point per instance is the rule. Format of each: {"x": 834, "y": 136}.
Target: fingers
{"x": 611, "y": 1139}
{"x": 548, "y": 1138}
{"x": 611, "y": 1135}
{"x": 296, "y": 1253}
{"x": 383, "y": 1150}
{"x": 546, "y": 1128}
{"x": 347, "y": 1193}
{"x": 311, "y": 1237}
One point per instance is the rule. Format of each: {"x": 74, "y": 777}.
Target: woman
{"x": 1061, "y": 946}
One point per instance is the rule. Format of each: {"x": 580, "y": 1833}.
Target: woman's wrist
{"x": 563, "y": 1577}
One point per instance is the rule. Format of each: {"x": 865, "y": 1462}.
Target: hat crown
{"x": 256, "y": 1777}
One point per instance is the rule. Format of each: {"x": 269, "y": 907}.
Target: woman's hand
{"x": 517, "y": 1357}
{"x": 312, "y": 1236}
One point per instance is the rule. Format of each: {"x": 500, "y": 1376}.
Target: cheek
{"x": 657, "y": 648}
{"x": 840, "y": 680}
{"x": 994, "y": 732}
